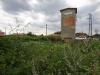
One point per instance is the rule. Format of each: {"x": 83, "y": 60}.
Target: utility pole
{"x": 90, "y": 25}
{"x": 46, "y": 29}
{"x": 5, "y": 30}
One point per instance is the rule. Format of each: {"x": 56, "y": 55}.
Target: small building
{"x": 68, "y": 22}
{"x": 81, "y": 36}
{"x": 96, "y": 36}
{"x": 57, "y": 33}
{"x": 2, "y": 33}
{"x": 18, "y": 34}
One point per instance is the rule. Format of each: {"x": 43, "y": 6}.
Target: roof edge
{"x": 68, "y": 9}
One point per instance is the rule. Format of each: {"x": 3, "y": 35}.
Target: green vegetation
{"x": 39, "y": 55}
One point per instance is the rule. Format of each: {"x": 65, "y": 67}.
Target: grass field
{"x": 40, "y": 55}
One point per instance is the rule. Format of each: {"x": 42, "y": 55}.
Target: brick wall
{"x": 68, "y": 22}
{"x": 2, "y": 33}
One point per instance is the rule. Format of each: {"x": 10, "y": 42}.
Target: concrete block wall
{"x": 68, "y": 23}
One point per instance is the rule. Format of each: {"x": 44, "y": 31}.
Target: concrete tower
{"x": 68, "y": 22}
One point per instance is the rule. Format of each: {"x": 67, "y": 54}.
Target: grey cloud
{"x": 53, "y": 19}
{"x": 15, "y": 6}
{"x": 83, "y": 13}
{"x": 88, "y": 9}
{"x": 49, "y": 7}
{"x": 94, "y": 1}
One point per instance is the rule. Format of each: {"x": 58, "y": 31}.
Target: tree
{"x": 29, "y": 33}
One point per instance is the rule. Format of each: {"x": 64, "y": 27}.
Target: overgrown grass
{"x": 39, "y": 55}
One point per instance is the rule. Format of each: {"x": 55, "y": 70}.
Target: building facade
{"x": 68, "y": 23}
{"x": 2, "y": 33}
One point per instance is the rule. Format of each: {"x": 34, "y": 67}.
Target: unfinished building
{"x": 68, "y": 23}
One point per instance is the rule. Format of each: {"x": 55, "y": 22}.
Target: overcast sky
{"x": 33, "y": 15}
